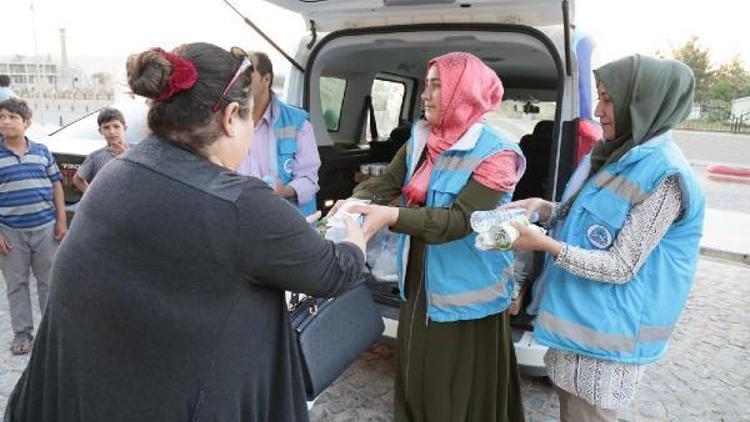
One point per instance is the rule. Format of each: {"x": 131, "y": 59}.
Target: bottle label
{"x": 482, "y": 221}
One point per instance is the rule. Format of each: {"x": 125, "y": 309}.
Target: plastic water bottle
{"x": 336, "y": 233}
{"x": 501, "y": 237}
{"x": 482, "y": 221}
{"x": 336, "y": 227}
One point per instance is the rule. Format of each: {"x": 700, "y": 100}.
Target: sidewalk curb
{"x": 739, "y": 257}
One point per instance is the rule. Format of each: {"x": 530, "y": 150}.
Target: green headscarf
{"x": 650, "y": 97}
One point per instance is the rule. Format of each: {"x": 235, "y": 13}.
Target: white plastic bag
{"x": 381, "y": 255}
{"x": 336, "y": 227}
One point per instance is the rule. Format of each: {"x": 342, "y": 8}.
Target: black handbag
{"x": 332, "y": 333}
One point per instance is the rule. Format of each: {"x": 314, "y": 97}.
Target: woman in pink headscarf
{"x": 456, "y": 358}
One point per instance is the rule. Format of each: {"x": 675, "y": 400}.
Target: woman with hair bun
{"x": 167, "y": 299}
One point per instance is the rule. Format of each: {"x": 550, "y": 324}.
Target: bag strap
{"x": 293, "y": 301}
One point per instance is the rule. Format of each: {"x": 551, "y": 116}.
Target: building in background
{"x": 57, "y": 90}
{"x": 741, "y": 107}
{"x": 42, "y": 76}
{"x": 45, "y": 77}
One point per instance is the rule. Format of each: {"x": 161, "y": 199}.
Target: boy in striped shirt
{"x": 32, "y": 217}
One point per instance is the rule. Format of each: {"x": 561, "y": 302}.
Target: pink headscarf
{"x": 468, "y": 90}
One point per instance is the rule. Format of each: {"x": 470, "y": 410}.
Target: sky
{"x": 100, "y": 34}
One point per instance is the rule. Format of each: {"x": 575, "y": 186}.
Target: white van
{"x": 359, "y": 72}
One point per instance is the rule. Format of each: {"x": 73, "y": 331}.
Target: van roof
{"x": 334, "y": 15}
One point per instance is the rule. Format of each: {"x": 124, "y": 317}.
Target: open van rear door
{"x": 334, "y": 15}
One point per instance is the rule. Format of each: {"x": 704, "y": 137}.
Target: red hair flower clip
{"x": 183, "y": 74}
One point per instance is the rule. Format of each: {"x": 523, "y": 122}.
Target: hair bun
{"x": 148, "y": 73}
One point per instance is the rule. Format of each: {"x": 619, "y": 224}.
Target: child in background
{"x": 32, "y": 218}
{"x": 112, "y": 126}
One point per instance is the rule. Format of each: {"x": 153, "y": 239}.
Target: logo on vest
{"x": 599, "y": 236}
{"x": 289, "y": 165}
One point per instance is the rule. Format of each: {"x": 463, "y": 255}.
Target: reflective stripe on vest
{"x": 286, "y": 132}
{"x": 604, "y": 341}
{"x": 487, "y": 294}
{"x": 457, "y": 163}
{"x": 621, "y": 187}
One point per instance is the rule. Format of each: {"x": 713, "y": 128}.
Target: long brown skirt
{"x": 453, "y": 372}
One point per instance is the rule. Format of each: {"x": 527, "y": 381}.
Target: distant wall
{"x": 741, "y": 106}
{"x": 59, "y": 112}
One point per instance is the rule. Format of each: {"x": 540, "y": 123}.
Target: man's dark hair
{"x": 4, "y": 80}
{"x": 262, "y": 64}
{"x": 17, "y": 106}
{"x": 108, "y": 114}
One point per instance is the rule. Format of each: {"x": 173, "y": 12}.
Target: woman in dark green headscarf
{"x": 623, "y": 244}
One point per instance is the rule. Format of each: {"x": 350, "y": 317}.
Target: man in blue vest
{"x": 284, "y": 153}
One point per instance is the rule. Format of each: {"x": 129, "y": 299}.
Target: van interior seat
{"x": 588, "y": 133}
{"x": 384, "y": 151}
{"x": 401, "y": 133}
{"x": 536, "y": 148}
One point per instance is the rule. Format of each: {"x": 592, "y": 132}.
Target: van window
{"x": 516, "y": 118}
{"x": 332, "y": 99}
{"x": 387, "y": 103}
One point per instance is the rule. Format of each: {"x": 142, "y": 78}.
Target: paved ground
{"x": 705, "y": 376}
{"x": 703, "y": 149}
{"x": 714, "y": 147}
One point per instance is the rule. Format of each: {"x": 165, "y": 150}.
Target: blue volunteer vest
{"x": 461, "y": 282}
{"x": 631, "y": 322}
{"x": 287, "y": 121}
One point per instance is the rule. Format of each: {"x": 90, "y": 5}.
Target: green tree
{"x": 698, "y": 59}
{"x": 731, "y": 80}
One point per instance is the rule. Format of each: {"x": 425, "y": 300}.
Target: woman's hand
{"x": 313, "y": 217}
{"x": 354, "y": 234}
{"x": 534, "y": 240}
{"x": 533, "y": 205}
{"x": 336, "y": 207}
{"x": 376, "y": 217}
